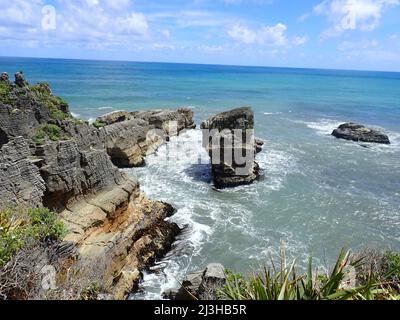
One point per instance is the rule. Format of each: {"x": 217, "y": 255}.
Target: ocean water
{"x": 319, "y": 193}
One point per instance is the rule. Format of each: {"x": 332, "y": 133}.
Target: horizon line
{"x": 202, "y": 64}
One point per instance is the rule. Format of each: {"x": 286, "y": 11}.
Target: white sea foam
{"x": 324, "y": 126}
{"x": 75, "y": 115}
{"x": 272, "y": 113}
{"x": 105, "y": 108}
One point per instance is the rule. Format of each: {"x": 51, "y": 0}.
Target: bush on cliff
{"x": 57, "y": 106}
{"x": 22, "y": 228}
{"x": 48, "y": 131}
{"x": 351, "y": 278}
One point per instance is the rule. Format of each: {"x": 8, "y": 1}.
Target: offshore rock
{"x": 229, "y": 139}
{"x": 358, "y": 132}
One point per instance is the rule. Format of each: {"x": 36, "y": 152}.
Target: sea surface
{"x": 319, "y": 193}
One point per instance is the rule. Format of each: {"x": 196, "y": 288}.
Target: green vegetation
{"x": 22, "y": 228}
{"x": 48, "y": 131}
{"x": 99, "y": 124}
{"x": 57, "y": 106}
{"x": 5, "y": 93}
{"x": 348, "y": 280}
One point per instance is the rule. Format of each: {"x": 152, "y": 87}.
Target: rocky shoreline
{"x": 49, "y": 158}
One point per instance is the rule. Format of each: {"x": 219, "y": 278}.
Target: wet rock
{"x": 358, "y": 132}
{"x": 202, "y": 285}
{"x": 229, "y": 139}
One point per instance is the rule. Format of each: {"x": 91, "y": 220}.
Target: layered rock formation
{"x": 356, "y": 132}
{"x": 50, "y": 159}
{"x": 130, "y": 137}
{"x": 201, "y": 285}
{"x": 229, "y": 139}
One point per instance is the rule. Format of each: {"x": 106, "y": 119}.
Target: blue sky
{"x": 342, "y": 34}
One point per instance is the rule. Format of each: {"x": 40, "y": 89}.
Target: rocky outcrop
{"x": 130, "y": 137}
{"x": 50, "y": 159}
{"x": 201, "y": 285}
{"x": 357, "y": 132}
{"x": 229, "y": 139}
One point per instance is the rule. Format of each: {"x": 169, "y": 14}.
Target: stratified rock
{"x": 129, "y": 142}
{"x": 114, "y": 117}
{"x": 357, "y": 132}
{"x": 71, "y": 173}
{"x": 20, "y": 180}
{"x": 202, "y": 285}
{"x": 229, "y": 139}
{"x": 110, "y": 222}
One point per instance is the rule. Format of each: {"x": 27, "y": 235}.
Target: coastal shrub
{"x": 48, "y": 131}
{"x": 283, "y": 282}
{"x": 5, "y": 93}
{"x": 99, "y": 124}
{"x": 57, "y": 106}
{"x": 22, "y": 228}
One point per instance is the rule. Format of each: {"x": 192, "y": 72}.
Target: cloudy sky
{"x": 343, "y": 34}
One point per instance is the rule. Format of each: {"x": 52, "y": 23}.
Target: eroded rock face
{"x": 357, "y": 132}
{"x": 229, "y": 139}
{"x": 201, "y": 285}
{"x": 20, "y": 180}
{"x": 130, "y": 137}
{"x": 110, "y": 221}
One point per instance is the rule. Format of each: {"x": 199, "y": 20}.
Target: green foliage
{"x": 5, "y": 93}
{"x": 284, "y": 283}
{"x": 57, "y": 106}
{"x": 48, "y": 131}
{"x": 99, "y": 124}
{"x": 20, "y": 228}
{"x": 91, "y": 293}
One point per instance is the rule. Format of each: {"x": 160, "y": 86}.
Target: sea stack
{"x": 229, "y": 139}
{"x": 357, "y": 132}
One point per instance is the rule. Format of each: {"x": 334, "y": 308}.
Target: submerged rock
{"x": 229, "y": 139}
{"x": 202, "y": 285}
{"x": 357, "y": 132}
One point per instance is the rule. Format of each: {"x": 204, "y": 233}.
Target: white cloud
{"x": 346, "y": 15}
{"x": 88, "y": 21}
{"x": 266, "y": 35}
{"x": 299, "y": 41}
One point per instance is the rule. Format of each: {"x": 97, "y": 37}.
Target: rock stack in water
{"x": 229, "y": 139}
{"x": 357, "y": 132}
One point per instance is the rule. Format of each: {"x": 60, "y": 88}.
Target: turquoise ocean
{"x": 319, "y": 193}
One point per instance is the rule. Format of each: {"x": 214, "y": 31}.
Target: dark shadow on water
{"x": 200, "y": 172}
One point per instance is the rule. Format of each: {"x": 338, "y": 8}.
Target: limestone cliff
{"x": 50, "y": 159}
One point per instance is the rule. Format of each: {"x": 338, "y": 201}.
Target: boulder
{"x": 201, "y": 285}
{"x": 229, "y": 139}
{"x": 357, "y": 132}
